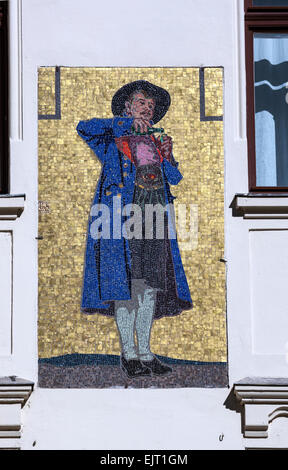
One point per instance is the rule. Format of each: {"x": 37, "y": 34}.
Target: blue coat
{"x": 108, "y": 261}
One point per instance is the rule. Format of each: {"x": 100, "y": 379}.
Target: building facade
{"x": 65, "y": 62}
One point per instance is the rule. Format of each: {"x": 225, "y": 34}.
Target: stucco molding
{"x": 264, "y": 400}
{"x": 14, "y": 393}
{"x": 11, "y": 207}
{"x": 260, "y": 206}
{"x": 16, "y": 69}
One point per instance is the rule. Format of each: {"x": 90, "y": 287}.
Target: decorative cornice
{"x": 259, "y": 206}
{"x": 14, "y": 393}
{"x": 11, "y": 206}
{"x": 14, "y": 390}
{"x": 263, "y": 399}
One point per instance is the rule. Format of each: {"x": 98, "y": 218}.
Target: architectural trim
{"x": 14, "y": 393}
{"x": 260, "y": 206}
{"x": 11, "y": 206}
{"x": 14, "y": 390}
{"x": 264, "y": 400}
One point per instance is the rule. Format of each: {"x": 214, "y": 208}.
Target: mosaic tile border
{"x": 203, "y": 116}
{"x": 103, "y": 371}
{"x": 57, "y": 114}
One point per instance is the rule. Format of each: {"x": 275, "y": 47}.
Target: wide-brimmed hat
{"x": 161, "y": 97}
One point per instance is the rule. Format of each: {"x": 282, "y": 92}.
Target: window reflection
{"x": 271, "y": 108}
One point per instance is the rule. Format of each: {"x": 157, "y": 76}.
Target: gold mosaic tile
{"x": 46, "y": 90}
{"x": 213, "y": 99}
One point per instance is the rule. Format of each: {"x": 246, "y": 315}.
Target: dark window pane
{"x": 271, "y": 108}
{"x": 270, "y": 3}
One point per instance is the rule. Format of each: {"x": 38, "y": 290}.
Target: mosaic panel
{"x": 46, "y": 90}
{"x": 78, "y": 347}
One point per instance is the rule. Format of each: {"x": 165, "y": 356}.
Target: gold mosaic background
{"x": 68, "y": 173}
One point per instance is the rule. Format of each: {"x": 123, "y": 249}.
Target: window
{"x": 269, "y": 3}
{"x": 266, "y": 30}
{"x": 3, "y": 99}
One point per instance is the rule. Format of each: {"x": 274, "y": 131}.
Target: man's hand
{"x": 165, "y": 146}
{"x": 141, "y": 125}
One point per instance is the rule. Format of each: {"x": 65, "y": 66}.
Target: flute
{"x": 151, "y": 130}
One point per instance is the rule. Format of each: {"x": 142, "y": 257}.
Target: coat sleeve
{"x": 100, "y": 133}
{"x": 171, "y": 172}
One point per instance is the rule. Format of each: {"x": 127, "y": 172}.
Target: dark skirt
{"x": 151, "y": 259}
{"x": 149, "y": 256}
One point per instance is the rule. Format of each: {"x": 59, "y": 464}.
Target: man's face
{"x": 140, "y": 107}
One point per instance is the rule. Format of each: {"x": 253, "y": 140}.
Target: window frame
{"x": 258, "y": 20}
{"x": 4, "y": 121}
{"x": 249, "y": 7}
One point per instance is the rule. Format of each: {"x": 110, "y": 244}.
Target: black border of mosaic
{"x": 57, "y": 114}
{"x": 203, "y": 117}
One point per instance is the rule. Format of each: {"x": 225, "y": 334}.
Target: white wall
{"x": 130, "y": 419}
{"x": 113, "y": 33}
{"x": 5, "y": 293}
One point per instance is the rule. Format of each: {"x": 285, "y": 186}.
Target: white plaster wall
{"x": 113, "y": 33}
{"x": 130, "y": 419}
{"x": 5, "y": 293}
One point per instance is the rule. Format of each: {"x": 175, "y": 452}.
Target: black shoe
{"x": 156, "y": 367}
{"x": 134, "y": 368}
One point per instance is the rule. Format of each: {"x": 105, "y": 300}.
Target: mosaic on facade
{"x": 131, "y": 228}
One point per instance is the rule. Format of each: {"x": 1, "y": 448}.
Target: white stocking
{"x": 144, "y": 320}
{"x": 125, "y": 321}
